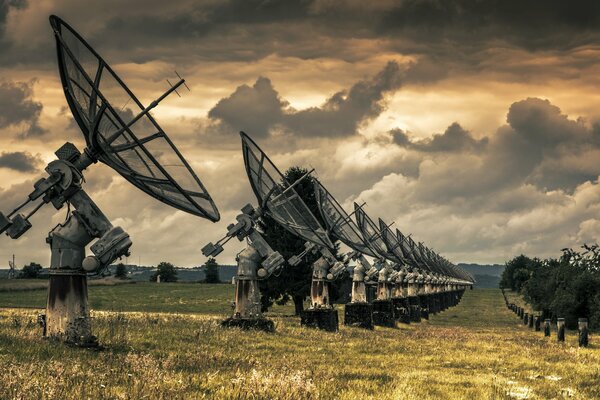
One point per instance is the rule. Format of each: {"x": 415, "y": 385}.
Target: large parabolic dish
{"x": 406, "y": 250}
{"x": 340, "y": 224}
{"x": 372, "y": 235}
{"x": 137, "y": 148}
{"x": 391, "y": 241}
{"x": 279, "y": 200}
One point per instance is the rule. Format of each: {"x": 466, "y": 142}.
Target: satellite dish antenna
{"x": 278, "y": 199}
{"x": 373, "y": 236}
{"x": 409, "y": 255}
{"x": 342, "y": 227}
{"x": 120, "y": 132}
{"x": 391, "y": 242}
{"x": 386, "y": 308}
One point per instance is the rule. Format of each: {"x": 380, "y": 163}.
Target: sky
{"x": 473, "y": 125}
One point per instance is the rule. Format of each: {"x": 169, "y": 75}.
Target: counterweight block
{"x": 359, "y": 315}
{"x": 401, "y": 309}
{"x": 383, "y": 313}
{"x": 262, "y": 324}
{"x": 325, "y": 319}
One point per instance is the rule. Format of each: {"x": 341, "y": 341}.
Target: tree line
{"x": 566, "y": 287}
{"x": 166, "y": 270}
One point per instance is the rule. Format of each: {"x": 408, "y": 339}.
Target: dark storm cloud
{"x": 259, "y": 109}
{"x": 447, "y": 37}
{"x": 532, "y": 25}
{"x": 255, "y": 109}
{"x": 20, "y": 161}
{"x": 18, "y": 107}
{"x": 454, "y": 139}
{"x": 343, "y": 112}
{"x": 12, "y": 54}
{"x": 445, "y": 30}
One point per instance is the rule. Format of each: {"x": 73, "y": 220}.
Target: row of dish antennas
{"x": 120, "y": 132}
{"x": 398, "y": 260}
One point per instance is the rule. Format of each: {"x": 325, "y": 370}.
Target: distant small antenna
{"x": 11, "y": 265}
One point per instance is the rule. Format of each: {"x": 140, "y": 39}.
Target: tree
{"x": 121, "y": 271}
{"x": 508, "y": 280}
{"x": 291, "y": 283}
{"x": 568, "y": 287}
{"x": 30, "y": 271}
{"x": 167, "y": 272}
{"x": 211, "y": 271}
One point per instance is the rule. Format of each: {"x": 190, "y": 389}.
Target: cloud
{"x": 20, "y": 161}
{"x": 454, "y": 139}
{"x": 443, "y": 39}
{"x": 18, "y": 107}
{"x": 532, "y": 186}
{"x": 260, "y": 110}
{"x": 256, "y": 109}
{"x": 483, "y": 187}
{"x": 529, "y": 25}
{"x": 539, "y": 145}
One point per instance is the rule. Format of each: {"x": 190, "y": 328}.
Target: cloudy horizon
{"x": 473, "y": 126}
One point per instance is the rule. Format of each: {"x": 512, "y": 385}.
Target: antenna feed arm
{"x": 309, "y": 248}
{"x": 272, "y": 260}
{"x": 336, "y": 271}
{"x": 240, "y": 230}
{"x": 371, "y": 274}
{"x": 112, "y": 245}
{"x": 270, "y": 265}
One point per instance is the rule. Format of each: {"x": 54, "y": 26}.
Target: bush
{"x": 30, "y": 271}
{"x": 167, "y": 273}
{"x": 121, "y": 271}
{"x": 211, "y": 271}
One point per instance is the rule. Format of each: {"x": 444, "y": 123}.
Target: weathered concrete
{"x": 321, "y": 318}
{"x": 359, "y": 315}
{"x": 67, "y": 314}
{"x": 582, "y": 328}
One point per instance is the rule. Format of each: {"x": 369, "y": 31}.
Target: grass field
{"x": 15, "y": 285}
{"x": 164, "y": 342}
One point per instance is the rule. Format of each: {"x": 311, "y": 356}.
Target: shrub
{"x": 167, "y": 272}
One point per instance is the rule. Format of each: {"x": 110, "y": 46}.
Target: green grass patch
{"x": 477, "y": 350}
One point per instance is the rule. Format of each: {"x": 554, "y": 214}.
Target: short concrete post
{"x": 582, "y": 327}
{"x": 537, "y": 322}
{"x": 546, "y": 327}
{"x": 560, "y": 327}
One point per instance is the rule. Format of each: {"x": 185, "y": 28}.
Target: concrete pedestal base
{"x": 436, "y": 303}
{"x": 67, "y": 315}
{"x": 383, "y": 313}
{"x": 415, "y": 309}
{"x": 359, "y": 315}
{"x": 321, "y": 318}
{"x": 261, "y": 324}
{"x": 401, "y": 310}
{"x": 424, "y": 302}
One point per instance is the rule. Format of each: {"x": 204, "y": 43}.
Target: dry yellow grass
{"x": 477, "y": 350}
